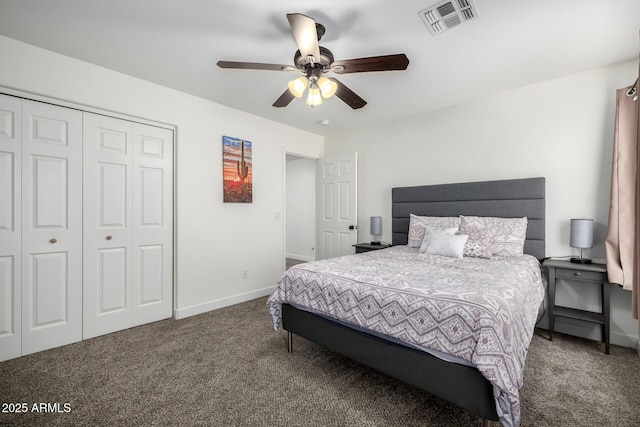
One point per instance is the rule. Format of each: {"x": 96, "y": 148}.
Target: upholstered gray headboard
{"x": 510, "y": 198}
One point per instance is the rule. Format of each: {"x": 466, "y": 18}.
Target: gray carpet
{"x": 229, "y": 368}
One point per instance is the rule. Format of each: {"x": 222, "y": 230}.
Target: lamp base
{"x": 580, "y": 260}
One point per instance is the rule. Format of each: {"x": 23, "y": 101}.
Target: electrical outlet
{"x": 245, "y": 273}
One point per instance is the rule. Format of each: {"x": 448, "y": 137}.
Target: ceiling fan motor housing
{"x": 324, "y": 62}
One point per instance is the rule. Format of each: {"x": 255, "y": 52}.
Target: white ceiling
{"x": 176, "y": 43}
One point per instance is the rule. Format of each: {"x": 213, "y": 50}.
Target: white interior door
{"x": 152, "y": 223}
{"x": 51, "y": 226}
{"x": 10, "y": 227}
{"x": 337, "y": 205}
{"x": 108, "y": 231}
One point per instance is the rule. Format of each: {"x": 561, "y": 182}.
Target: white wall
{"x": 301, "y": 209}
{"x": 215, "y": 241}
{"x": 560, "y": 129}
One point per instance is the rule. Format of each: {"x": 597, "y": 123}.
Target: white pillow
{"x": 440, "y": 242}
{"x": 432, "y": 232}
{"x": 417, "y": 225}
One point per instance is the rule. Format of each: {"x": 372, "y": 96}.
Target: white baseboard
{"x": 181, "y": 313}
{"x": 301, "y": 257}
{"x": 624, "y": 340}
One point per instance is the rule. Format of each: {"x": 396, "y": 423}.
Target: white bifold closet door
{"x": 128, "y": 224}
{"x": 40, "y": 226}
{"x": 10, "y": 227}
{"x": 51, "y": 226}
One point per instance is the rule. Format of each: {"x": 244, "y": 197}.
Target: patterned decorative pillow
{"x": 509, "y": 234}
{"x": 418, "y": 223}
{"x": 480, "y": 240}
{"x": 442, "y": 242}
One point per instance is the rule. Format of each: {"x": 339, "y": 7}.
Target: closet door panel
{"x": 153, "y": 223}
{"x": 51, "y": 226}
{"x": 7, "y": 189}
{"x": 49, "y": 279}
{"x": 151, "y": 190}
{"x": 112, "y": 189}
{"x": 112, "y": 289}
{"x": 107, "y": 224}
{"x": 50, "y": 197}
{"x": 10, "y": 228}
{"x": 150, "y": 274}
{"x": 10, "y": 342}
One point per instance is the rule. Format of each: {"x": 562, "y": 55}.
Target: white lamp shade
{"x": 297, "y": 86}
{"x": 376, "y": 226}
{"x": 327, "y": 87}
{"x": 314, "y": 97}
{"x": 581, "y": 235}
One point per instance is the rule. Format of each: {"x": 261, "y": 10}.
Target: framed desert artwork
{"x": 237, "y": 170}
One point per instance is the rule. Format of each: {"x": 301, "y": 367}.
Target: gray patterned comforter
{"x": 479, "y": 310}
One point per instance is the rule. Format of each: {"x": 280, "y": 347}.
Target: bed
{"x": 460, "y": 378}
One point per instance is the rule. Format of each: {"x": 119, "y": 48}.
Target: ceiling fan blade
{"x": 349, "y": 96}
{"x": 284, "y": 99}
{"x": 373, "y": 63}
{"x": 255, "y": 66}
{"x": 304, "y": 31}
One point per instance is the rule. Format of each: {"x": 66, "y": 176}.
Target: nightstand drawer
{"x": 592, "y": 276}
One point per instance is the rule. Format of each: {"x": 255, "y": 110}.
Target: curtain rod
{"x": 632, "y": 90}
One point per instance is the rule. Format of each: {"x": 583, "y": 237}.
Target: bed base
{"x": 461, "y": 385}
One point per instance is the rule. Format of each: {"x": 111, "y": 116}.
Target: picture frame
{"x": 237, "y": 169}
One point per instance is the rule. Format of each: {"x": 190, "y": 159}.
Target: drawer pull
{"x": 109, "y": 237}
{"x": 577, "y": 273}
{"x": 53, "y": 241}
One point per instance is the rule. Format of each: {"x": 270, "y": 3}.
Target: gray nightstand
{"x": 593, "y": 273}
{"x": 366, "y": 247}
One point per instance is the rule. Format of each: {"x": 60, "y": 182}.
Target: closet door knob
{"x": 53, "y": 241}
{"x": 109, "y": 237}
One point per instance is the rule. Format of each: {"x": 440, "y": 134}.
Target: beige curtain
{"x": 622, "y": 242}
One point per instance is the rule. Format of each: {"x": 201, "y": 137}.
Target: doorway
{"x": 300, "y": 205}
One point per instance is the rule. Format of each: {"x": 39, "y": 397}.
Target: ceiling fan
{"x": 314, "y": 61}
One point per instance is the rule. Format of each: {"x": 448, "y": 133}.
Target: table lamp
{"x": 376, "y": 229}
{"x": 581, "y": 237}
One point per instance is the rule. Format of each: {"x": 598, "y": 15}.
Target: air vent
{"x": 448, "y": 14}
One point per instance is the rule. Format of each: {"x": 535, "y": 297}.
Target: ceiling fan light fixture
{"x": 313, "y": 60}
{"x": 314, "y": 97}
{"x": 327, "y": 87}
{"x": 297, "y": 86}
